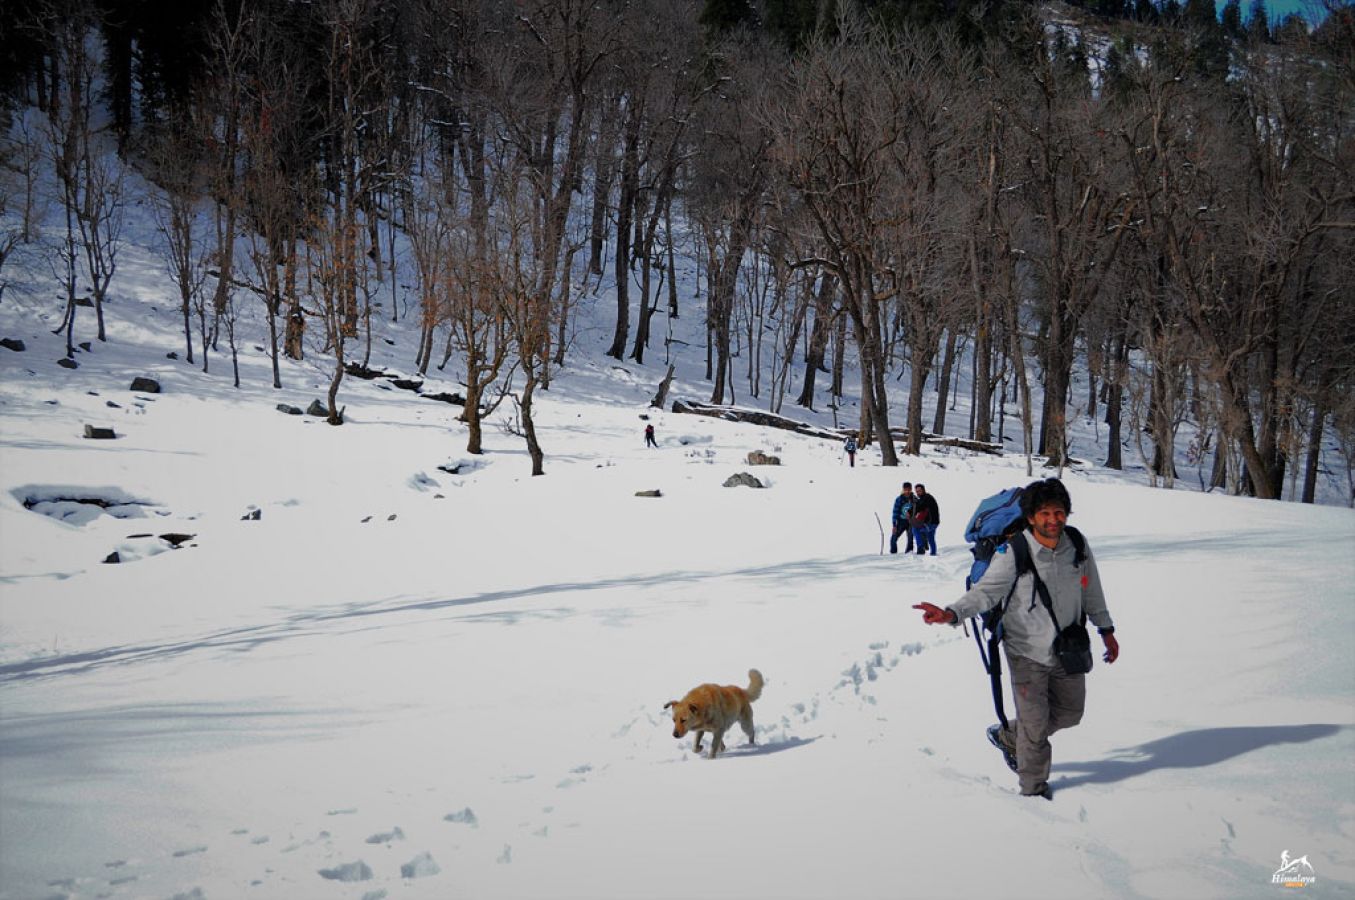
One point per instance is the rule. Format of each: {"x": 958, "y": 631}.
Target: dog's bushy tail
{"x": 754, "y": 684}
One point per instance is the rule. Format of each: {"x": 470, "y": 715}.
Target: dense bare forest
{"x": 1159, "y": 197}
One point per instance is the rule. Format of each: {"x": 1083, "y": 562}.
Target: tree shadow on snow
{"x": 1188, "y": 750}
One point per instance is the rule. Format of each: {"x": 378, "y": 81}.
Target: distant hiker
{"x": 849, "y": 447}
{"x": 1046, "y": 581}
{"x": 925, "y": 517}
{"x": 903, "y": 507}
{"x": 649, "y": 436}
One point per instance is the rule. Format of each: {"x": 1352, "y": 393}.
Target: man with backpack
{"x": 903, "y": 508}
{"x": 926, "y": 516}
{"x": 1045, "y": 583}
{"x": 849, "y": 447}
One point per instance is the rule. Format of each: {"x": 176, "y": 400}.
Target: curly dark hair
{"x": 1041, "y": 493}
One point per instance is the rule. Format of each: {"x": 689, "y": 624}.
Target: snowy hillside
{"x": 378, "y": 667}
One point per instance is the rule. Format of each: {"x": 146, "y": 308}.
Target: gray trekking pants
{"x": 1047, "y": 700}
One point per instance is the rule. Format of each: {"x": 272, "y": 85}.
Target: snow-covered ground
{"x": 404, "y": 681}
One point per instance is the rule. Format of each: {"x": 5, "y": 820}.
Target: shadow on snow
{"x": 1188, "y": 750}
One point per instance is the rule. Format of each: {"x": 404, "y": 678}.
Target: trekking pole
{"x": 880, "y": 525}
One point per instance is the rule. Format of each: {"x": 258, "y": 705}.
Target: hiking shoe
{"x": 1042, "y": 791}
{"x": 1008, "y": 753}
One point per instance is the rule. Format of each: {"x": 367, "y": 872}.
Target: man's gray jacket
{"x": 1026, "y": 623}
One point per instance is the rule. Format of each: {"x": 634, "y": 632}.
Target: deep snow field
{"x": 402, "y": 682}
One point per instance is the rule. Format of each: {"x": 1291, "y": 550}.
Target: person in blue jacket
{"x": 849, "y": 446}
{"x": 903, "y": 508}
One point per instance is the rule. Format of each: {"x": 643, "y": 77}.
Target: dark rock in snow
{"x": 113, "y": 557}
{"x": 758, "y": 458}
{"x": 86, "y": 346}
{"x": 317, "y": 409}
{"x": 254, "y": 516}
{"x": 171, "y": 355}
{"x": 67, "y": 363}
{"x": 175, "y": 540}
{"x": 289, "y": 409}
{"x": 358, "y": 370}
{"x": 145, "y": 385}
{"x": 93, "y": 432}
{"x": 14, "y": 344}
{"x": 407, "y": 384}
{"x": 111, "y": 405}
{"x": 654, "y": 493}
{"x": 742, "y": 479}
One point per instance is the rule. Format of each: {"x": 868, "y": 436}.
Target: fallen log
{"x": 772, "y": 420}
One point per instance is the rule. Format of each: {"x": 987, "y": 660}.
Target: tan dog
{"x": 710, "y": 707}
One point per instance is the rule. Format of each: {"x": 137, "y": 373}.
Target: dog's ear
{"x": 694, "y": 708}
{"x": 670, "y": 704}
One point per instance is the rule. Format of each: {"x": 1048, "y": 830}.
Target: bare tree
{"x": 177, "y": 163}
{"x": 275, "y": 187}
{"x": 89, "y": 174}
{"x": 929, "y": 82}
{"x": 1074, "y": 208}
{"x": 835, "y": 129}
{"x": 662, "y": 69}
{"x": 725, "y": 190}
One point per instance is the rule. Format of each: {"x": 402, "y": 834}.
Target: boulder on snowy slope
{"x": 145, "y": 385}
{"x": 742, "y": 479}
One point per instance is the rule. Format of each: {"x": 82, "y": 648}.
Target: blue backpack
{"x": 995, "y": 520}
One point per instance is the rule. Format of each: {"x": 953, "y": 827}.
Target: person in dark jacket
{"x": 849, "y": 447}
{"x": 649, "y": 436}
{"x": 926, "y": 516}
{"x": 903, "y": 507}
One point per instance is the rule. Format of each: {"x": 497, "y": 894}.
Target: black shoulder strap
{"x": 1024, "y": 564}
{"x": 1021, "y": 556}
{"x": 1021, "y": 553}
{"x": 1079, "y": 544}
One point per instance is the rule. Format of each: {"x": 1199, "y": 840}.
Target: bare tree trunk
{"x": 529, "y": 428}
{"x": 818, "y": 338}
{"x": 943, "y": 383}
{"x": 1118, "y": 361}
{"x": 630, "y": 174}
{"x": 1314, "y": 453}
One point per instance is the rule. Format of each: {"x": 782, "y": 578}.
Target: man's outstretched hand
{"x": 935, "y": 615}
